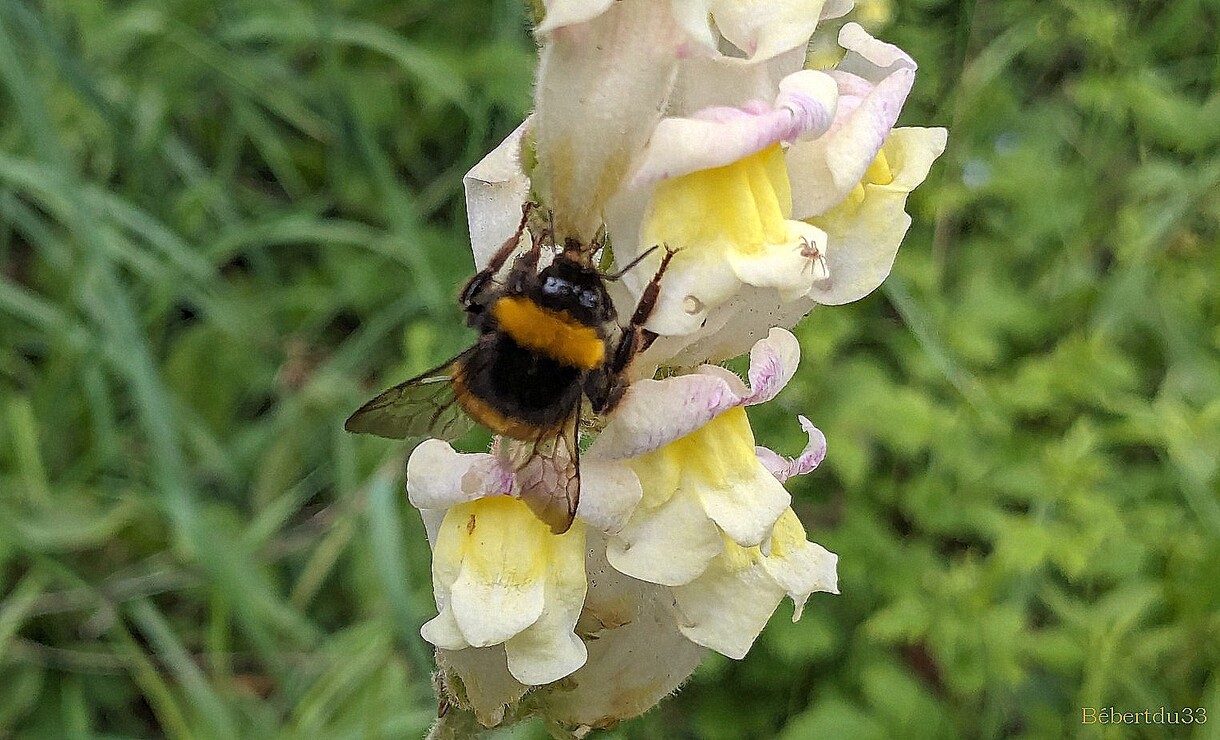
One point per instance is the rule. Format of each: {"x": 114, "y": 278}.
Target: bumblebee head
{"x": 568, "y": 285}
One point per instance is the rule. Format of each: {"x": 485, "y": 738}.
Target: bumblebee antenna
{"x": 634, "y": 262}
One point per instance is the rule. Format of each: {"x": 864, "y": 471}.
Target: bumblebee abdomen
{"x": 514, "y": 390}
{"x": 555, "y": 334}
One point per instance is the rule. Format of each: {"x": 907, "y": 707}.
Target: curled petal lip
{"x": 719, "y": 135}
{"x": 784, "y": 468}
{"x": 654, "y": 413}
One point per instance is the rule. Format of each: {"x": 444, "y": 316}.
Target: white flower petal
{"x": 836, "y": 8}
{"x": 609, "y": 493}
{"x": 864, "y": 236}
{"x": 637, "y": 656}
{"x": 670, "y": 545}
{"x": 746, "y": 507}
{"x": 496, "y": 188}
{"x": 784, "y": 468}
{"x": 714, "y": 81}
{"x": 825, "y": 170}
{"x": 731, "y": 329}
{"x": 549, "y": 649}
{"x": 868, "y": 57}
{"x": 695, "y": 281}
{"x": 489, "y": 612}
{"x": 544, "y": 653}
{"x": 432, "y": 524}
{"x": 764, "y": 28}
{"x": 438, "y": 477}
{"x": 727, "y": 607}
{"x": 911, "y": 152}
{"x": 560, "y": 13}
{"x": 786, "y": 267}
{"x": 692, "y": 16}
{"x": 601, "y": 88}
{"x": 443, "y": 631}
{"x": 798, "y": 566}
{"x": 806, "y": 570}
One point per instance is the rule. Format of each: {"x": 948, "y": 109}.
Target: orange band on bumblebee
{"x": 552, "y": 333}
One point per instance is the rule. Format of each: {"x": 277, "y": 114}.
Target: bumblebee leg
{"x": 475, "y": 288}
{"x": 606, "y": 387}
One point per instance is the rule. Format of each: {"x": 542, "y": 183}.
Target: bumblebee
{"x": 548, "y": 340}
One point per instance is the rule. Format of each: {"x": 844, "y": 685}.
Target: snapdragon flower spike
{"x": 714, "y": 522}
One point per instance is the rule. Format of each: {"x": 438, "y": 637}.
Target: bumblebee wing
{"x": 424, "y": 406}
{"x": 549, "y": 478}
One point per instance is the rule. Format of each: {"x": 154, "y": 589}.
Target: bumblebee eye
{"x": 554, "y": 286}
{"x": 589, "y": 299}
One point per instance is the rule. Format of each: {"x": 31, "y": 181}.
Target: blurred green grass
{"x": 223, "y": 224}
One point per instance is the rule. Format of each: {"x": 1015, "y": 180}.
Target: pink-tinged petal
{"x": 609, "y": 493}
{"x": 737, "y": 386}
{"x": 864, "y": 231}
{"x": 671, "y": 545}
{"x": 717, "y": 136}
{"x": 560, "y": 13}
{"x": 825, "y": 170}
{"x": 654, "y": 413}
{"x": 772, "y": 461}
{"x": 764, "y": 28}
{"x": 496, "y": 188}
{"x": 438, "y": 477}
{"x": 773, "y": 362}
{"x": 602, "y": 86}
{"x": 784, "y": 468}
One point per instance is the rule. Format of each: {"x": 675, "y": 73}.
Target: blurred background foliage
{"x": 222, "y": 224}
